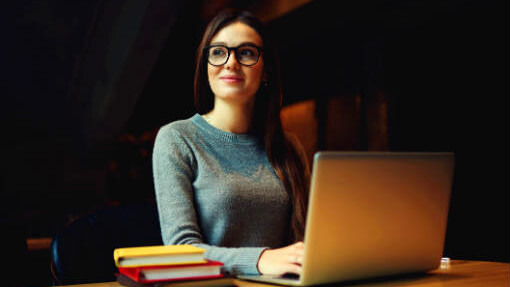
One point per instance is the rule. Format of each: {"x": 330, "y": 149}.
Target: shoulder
{"x": 176, "y": 134}
{"x": 175, "y": 130}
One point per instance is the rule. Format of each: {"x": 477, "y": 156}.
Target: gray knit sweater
{"x": 217, "y": 190}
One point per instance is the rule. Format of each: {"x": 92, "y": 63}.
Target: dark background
{"x": 86, "y": 84}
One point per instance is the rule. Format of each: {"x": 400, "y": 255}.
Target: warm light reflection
{"x": 273, "y": 9}
{"x": 299, "y": 119}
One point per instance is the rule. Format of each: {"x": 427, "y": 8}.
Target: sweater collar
{"x": 221, "y": 135}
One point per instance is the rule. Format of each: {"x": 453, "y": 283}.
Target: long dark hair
{"x": 266, "y": 124}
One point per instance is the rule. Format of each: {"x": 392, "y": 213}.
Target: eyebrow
{"x": 225, "y": 44}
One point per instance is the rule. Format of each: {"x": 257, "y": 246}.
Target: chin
{"x": 235, "y": 95}
{"x": 234, "y": 92}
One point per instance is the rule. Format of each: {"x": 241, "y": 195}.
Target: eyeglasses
{"x": 246, "y": 54}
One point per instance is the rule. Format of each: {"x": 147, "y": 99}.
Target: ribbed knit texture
{"x": 217, "y": 190}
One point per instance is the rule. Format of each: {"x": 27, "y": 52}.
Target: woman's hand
{"x": 282, "y": 260}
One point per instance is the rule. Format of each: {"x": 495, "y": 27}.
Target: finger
{"x": 295, "y": 258}
{"x": 299, "y": 260}
{"x": 295, "y": 269}
{"x": 298, "y": 246}
{"x": 289, "y": 268}
{"x": 300, "y": 252}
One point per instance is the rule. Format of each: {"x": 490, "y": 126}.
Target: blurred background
{"x": 86, "y": 85}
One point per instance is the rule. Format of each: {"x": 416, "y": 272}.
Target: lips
{"x": 232, "y": 79}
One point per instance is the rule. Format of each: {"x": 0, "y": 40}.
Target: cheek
{"x": 211, "y": 73}
{"x": 256, "y": 74}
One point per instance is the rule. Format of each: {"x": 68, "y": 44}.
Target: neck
{"x": 231, "y": 118}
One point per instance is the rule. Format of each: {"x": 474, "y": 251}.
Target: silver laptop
{"x": 373, "y": 214}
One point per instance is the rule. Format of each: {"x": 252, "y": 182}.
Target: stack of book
{"x": 164, "y": 263}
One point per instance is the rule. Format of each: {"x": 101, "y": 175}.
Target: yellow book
{"x": 158, "y": 255}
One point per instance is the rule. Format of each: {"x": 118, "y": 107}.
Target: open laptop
{"x": 373, "y": 214}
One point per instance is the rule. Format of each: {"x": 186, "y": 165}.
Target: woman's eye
{"x": 217, "y": 52}
{"x": 247, "y": 52}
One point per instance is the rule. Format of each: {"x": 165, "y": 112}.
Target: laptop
{"x": 373, "y": 214}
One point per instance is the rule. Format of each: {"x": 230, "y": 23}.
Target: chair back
{"x": 82, "y": 252}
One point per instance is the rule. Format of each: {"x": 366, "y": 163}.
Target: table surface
{"x": 457, "y": 273}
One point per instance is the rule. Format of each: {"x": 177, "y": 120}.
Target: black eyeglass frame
{"x": 259, "y": 52}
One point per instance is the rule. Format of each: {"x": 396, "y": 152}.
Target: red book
{"x": 151, "y": 274}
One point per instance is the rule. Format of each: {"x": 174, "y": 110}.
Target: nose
{"x": 232, "y": 62}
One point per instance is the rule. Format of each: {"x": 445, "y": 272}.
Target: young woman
{"x": 228, "y": 179}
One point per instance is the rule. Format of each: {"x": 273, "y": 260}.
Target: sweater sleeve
{"x": 173, "y": 169}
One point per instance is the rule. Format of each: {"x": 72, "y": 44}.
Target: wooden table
{"x": 456, "y": 273}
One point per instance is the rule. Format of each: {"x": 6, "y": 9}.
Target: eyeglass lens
{"x": 246, "y": 55}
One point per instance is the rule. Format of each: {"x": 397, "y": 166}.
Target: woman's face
{"x": 232, "y": 81}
